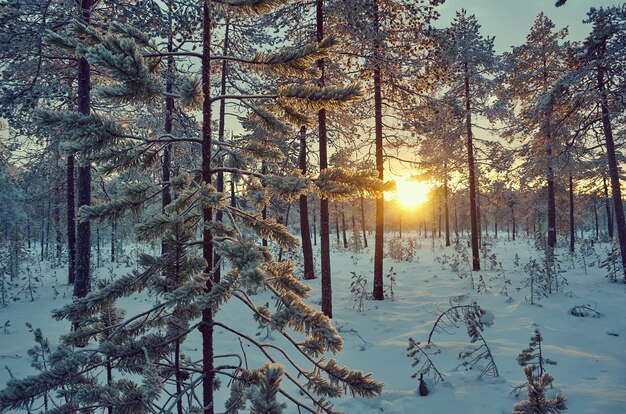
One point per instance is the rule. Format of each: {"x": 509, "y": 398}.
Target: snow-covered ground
{"x": 590, "y": 352}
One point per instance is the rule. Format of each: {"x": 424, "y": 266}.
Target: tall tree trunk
{"x": 206, "y": 327}
{"x": 472, "y": 177}
{"x": 551, "y": 198}
{"x": 513, "y": 221}
{"x": 363, "y": 222}
{"x": 446, "y": 211}
{"x": 550, "y": 169}
{"x": 327, "y": 292}
{"x": 607, "y": 204}
{"x": 83, "y": 233}
{"x": 377, "y": 293}
{"x": 613, "y": 167}
{"x": 572, "y": 236}
{"x": 305, "y": 232}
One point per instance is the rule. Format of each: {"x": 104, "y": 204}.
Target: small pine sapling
{"x": 358, "y": 289}
{"x": 587, "y": 254}
{"x": 612, "y": 263}
{"x": 388, "y": 289}
{"x": 533, "y": 355}
{"x": 482, "y": 287}
{"x": 475, "y": 318}
{"x": 421, "y": 355}
{"x": 537, "y": 402}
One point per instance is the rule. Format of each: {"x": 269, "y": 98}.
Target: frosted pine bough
{"x": 135, "y": 364}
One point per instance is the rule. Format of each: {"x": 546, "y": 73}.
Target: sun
{"x": 410, "y": 193}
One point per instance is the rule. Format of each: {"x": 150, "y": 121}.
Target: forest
{"x": 322, "y": 206}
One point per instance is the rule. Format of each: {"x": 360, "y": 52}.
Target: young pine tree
{"x": 186, "y": 294}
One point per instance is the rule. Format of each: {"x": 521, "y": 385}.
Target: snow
{"x": 591, "y": 369}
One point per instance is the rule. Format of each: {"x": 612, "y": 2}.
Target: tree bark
{"x": 613, "y": 167}
{"x": 305, "y": 232}
{"x": 472, "y": 178}
{"x": 377, "y": 293}
{"x": 206, "y": 327}
{"x": 607, "y": 204}
{"x": 83, "y": 233}
{"x": 572, "y": 236}
{"x": 446, "y": 210}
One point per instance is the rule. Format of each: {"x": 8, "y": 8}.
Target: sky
{"x": 510, "y": 20}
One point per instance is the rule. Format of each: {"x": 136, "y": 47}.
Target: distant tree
{"x": 533, "y": 69}
{"x": 467, "y": 62}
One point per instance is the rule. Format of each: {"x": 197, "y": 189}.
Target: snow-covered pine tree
{"x": 537, "y": 402}
{"x": 534, "y": 69}
{"x": 190, "y": 299}
{"x": 533, "y": 355}
{"x": 466, "y": 62}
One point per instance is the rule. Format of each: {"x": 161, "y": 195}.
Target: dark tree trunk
{"x": 83, "y": 233}
{"x": 551, "y": 199}
{"x": 377, "y": 293}
{"x": 513, "y": 221}
{"x": 206, "y": 327}
{"x": 613, "y": 167}
{"x": 472, "y": 177}
{"x": 400, "y": 224}
{"x": 343, "y": 228}
{"x": 305, "y": 233}
{"x": 446, "y": 211}
{"x": 607, "y": 204}
{"x": 327, "y": 292}
{"x": 572, "y": 236}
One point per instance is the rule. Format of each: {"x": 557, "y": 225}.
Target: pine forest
{"x": 312, "y": 206}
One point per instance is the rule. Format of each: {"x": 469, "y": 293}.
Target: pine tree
{"x": 467, "y": 63}
{"x": 140, "y": 344}
{"x": 533, "y": 69}
{"x": 537, "y": 402}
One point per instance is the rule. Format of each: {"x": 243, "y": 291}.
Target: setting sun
{"x": 410, "y": 193}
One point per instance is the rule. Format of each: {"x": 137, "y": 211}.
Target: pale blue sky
{"x": 510, "y": 20}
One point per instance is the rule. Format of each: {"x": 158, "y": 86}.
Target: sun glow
{"x": 410, "y": 193}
